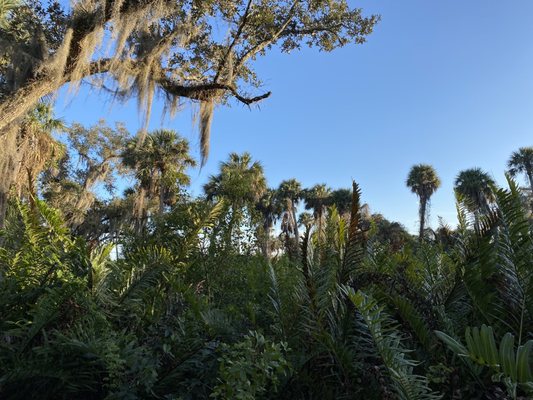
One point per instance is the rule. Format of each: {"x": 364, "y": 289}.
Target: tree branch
{"x": 244, "y": 19}
{"x": 260, "y": 46}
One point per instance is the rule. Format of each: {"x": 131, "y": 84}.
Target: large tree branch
{"x": 206, "y": 91}
{"x": 18, "y": 103}
{"x": 262, "y": 45}
{"x": 236, "y": 38}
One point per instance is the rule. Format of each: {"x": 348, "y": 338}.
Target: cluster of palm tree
{"x": 474, "y": 187}
{"x": 242, "y": 184}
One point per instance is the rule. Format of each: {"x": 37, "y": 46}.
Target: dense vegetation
{"x": 146, "y": 292}
{"x": 155, "y": 294}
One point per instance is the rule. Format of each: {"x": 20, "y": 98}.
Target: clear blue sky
{"x": 449, "y": 83}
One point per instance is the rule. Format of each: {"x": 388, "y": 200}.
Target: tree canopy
{"x": 137, "y": 48}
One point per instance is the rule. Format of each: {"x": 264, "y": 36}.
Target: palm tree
{"x": 270, "y": 209}
{"x": 241, "y": 182}
{"x": 423, "y": 181}
{"x": 342, "y": 200}
{"x": 290, "y": 193}
{"x": 521, "y": 162}
{"x": 38, "y": 148}
{"x": 306, "y": 220}
{"x": 474, "y": 186}
{"x": 317, "y": 199}
{"x": 5, "y": 7}
{"x": 160, "y": 165}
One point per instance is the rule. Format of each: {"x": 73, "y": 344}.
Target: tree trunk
{"x": 530, "y": 177}
{"x": 9, "y": 166}
{"x": 139, "y": 211}
{"x": 320, "y": 212}
{"x": 296, "y": 232}
{"x": 32, "y": 190}
{"x": 161, "y": 199}
{"x": 17, "y": 104}
{"x": 266, "y": 241}
{"x": 422, "y": 216}
{"x": 476, "y": 218}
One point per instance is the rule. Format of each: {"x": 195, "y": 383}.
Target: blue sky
{"x": 449, "y": 83}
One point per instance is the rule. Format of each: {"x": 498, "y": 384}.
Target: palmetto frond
{"x": 5, "y": 7}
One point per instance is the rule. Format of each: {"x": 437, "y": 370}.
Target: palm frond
{"x": 509, "y": 365}
{"x": 388, "y": 343}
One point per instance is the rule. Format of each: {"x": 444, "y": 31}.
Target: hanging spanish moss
{"x": 206, "y": 117}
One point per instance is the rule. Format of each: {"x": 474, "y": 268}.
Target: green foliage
{"x": 196, "y": 306}
{"x": 251, "y": 368}
{"x": 508, "y": 364}
{"x": 388, "y": 343}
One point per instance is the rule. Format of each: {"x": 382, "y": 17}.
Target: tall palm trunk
{"x": 32, "y": 190}
{"x": 139, "y": 211}
{"x": 530, "y": 178}
{"x": 320, "y": 216}
{"x": 161, "y": 190}
{"x": 296, "y": 232}
{"x": 161, "y": 199}
{"x": 267, "y": 226}
{"x": 422, "y": 215}
{"x": 476, "y": 218}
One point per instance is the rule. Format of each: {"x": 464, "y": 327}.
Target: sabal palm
{"x": 317, "y": 199}
{"x": 270, "y": 208}
{"x": 38, "y": 148}
{"x": 475, "y": 186}
{"x": 423, "y": 181}
{"x": 342, "y": 200}
{"x": 306, "y": 219}
{"x": 521, "y": 162}
{"x": 160, "y": 164}
{"x": 241, "y": 181}
{"x": 290, "y": 193}
{"x": 5, "y": 7}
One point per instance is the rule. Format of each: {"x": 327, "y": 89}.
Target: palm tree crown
{"x": 475, "y": 186}
{"x": 38, "y": 148}
{"x": 240, "y": 180}
{"x": 342, "y": 200}
{"x": 290, "y": 189}
{"x": 423, "y": 181}
{"x": 317, "y": 198}
{"x": 521, "y": 162}
{"x": 160, "y": 164}
{"x": 290, "y": 193}
{"x": 270, "y": 208}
